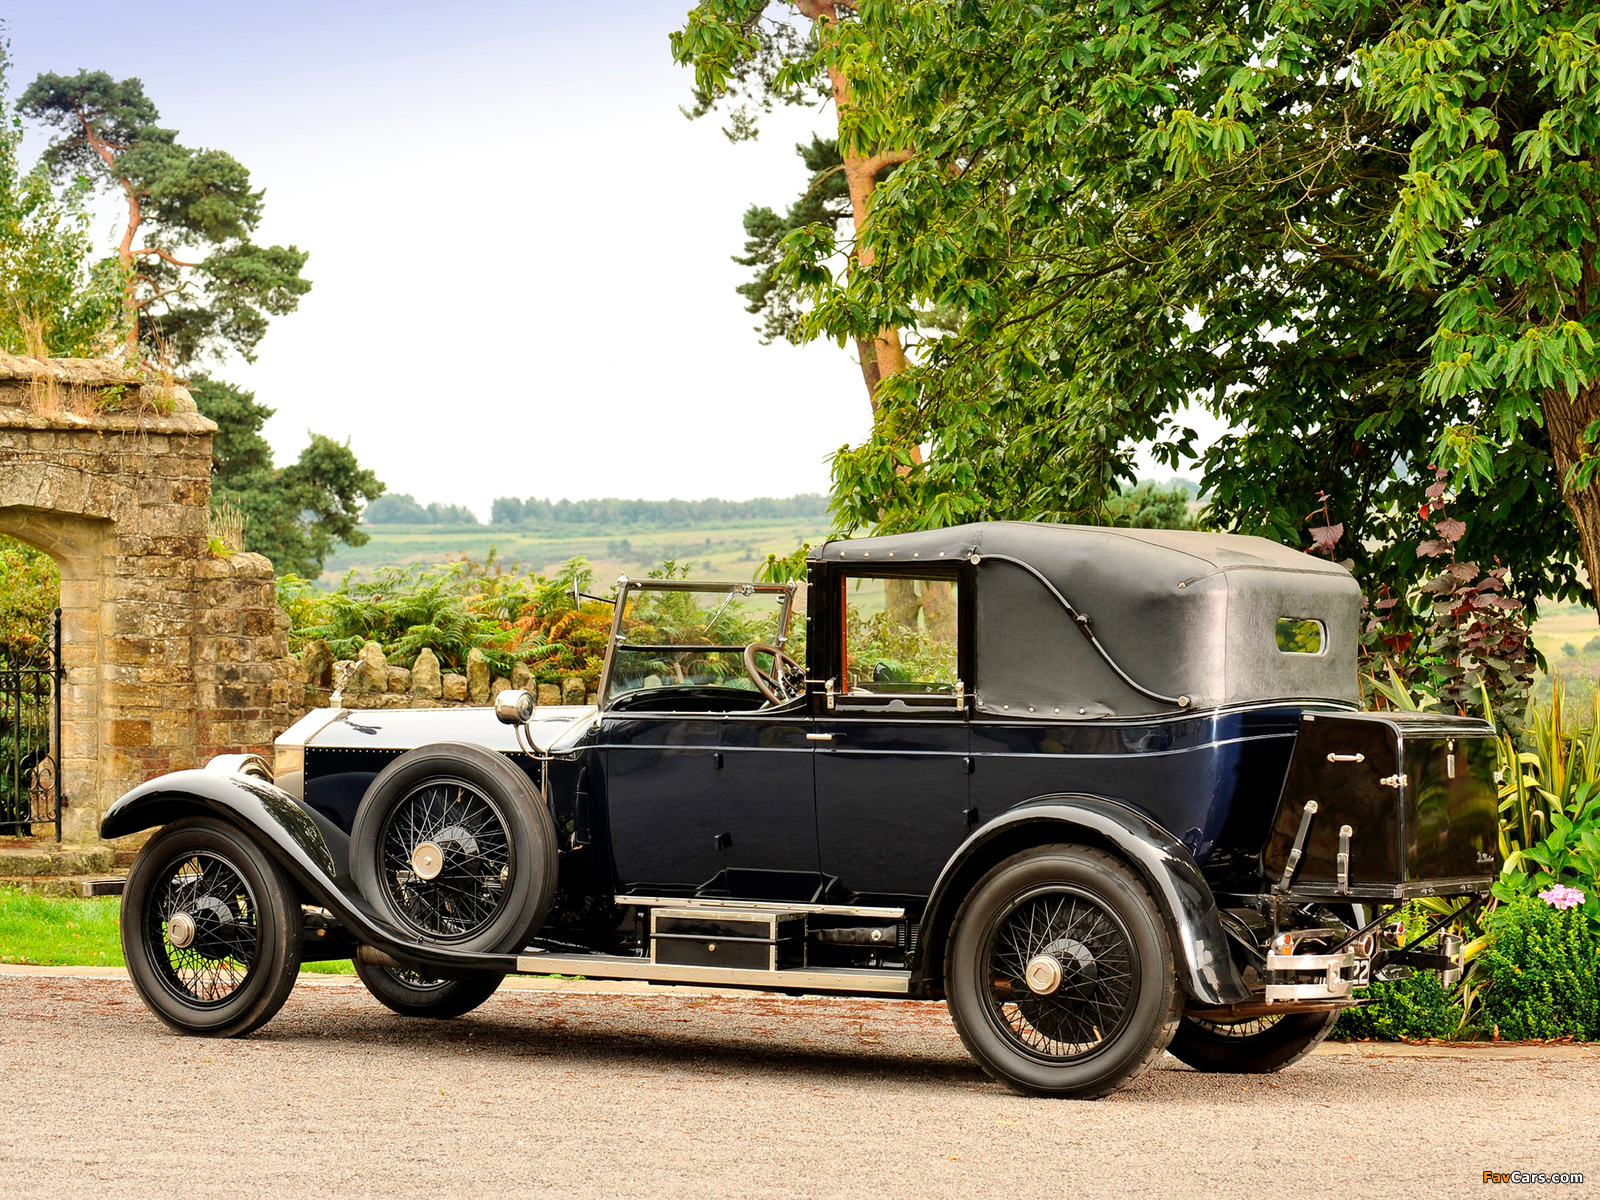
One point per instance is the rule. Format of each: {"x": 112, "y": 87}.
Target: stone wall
{"x": 370, "y": 682}
{"x": 168, "y": 652}
{"x": 172, "y": 654}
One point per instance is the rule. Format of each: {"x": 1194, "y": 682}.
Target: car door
{"x": 661, "y": 800}
{"x": 893, "y": 739}
{"x": 765, "y": 794}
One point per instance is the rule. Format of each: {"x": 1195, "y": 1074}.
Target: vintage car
{"x": 1106, "y": 792}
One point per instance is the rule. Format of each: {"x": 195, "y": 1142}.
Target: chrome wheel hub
{"x": 427, "y": 860}
{"x": 181, "y": 930}
{"x": 1043, "y": 975}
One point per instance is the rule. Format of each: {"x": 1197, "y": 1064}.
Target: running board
{"x": 764, "y": 906}
{"x": 611, "y": 966}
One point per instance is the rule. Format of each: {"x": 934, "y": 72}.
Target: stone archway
{"x": 169, "y": 652}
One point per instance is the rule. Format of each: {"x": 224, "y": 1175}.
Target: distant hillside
{"x": 579, "y": 516}
{"x": 534, "y": 513}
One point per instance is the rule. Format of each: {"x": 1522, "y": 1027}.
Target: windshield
{"x": 676, "y": 634}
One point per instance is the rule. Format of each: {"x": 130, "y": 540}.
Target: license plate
{"x": 1361, "y": 972}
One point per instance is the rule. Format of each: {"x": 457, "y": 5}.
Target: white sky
{"x": 520, "y": 247}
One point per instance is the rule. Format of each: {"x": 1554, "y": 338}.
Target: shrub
{"x": 1542, "y": 969}
{"x": 1418, "y": 1006}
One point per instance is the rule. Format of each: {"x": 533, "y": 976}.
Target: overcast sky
{"x": 519, "y": 246}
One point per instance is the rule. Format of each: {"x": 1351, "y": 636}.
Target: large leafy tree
{"x": 749, "y": 54}
{"x": 296, "y": 514}
{"x": 1362, "y": 236}
{"x": 195, "y": 279}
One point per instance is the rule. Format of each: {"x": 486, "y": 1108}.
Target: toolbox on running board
{"x": 755, "y": 941}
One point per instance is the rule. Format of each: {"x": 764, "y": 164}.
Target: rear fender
{"x": 314, "y": 851}
{"x": 1200, "y": 947}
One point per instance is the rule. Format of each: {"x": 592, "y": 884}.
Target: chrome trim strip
{"x": 606, "y": 966}
{"x": 762, "y": 906}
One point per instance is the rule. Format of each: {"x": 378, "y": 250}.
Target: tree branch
{"x": 883, "y": 159}
{"x": 1329, "y": 254}
{"x": 164, "y": 255}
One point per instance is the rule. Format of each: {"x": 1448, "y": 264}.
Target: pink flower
{"x": 1562, "y": 896}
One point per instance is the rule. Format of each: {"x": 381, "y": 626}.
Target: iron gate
{"x": 30, "y": 735}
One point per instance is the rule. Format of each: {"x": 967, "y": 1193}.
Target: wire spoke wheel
{"x": 204, "y": 927}
{"x": 446, "y": 859}
{"x": 1063, "y": 975}
{"x": 1237, "y": 1029}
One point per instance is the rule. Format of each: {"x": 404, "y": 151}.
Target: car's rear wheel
{"x": 413, "y": 994}
{"x": 453, "y": 846}
{"x": 1254, "y": 1047}
{"x": 1060, "y": 974}
{"x": 210, "y": 929}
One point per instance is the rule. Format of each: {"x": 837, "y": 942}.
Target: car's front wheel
{"x": 412, "y": 994}
{"x": 210, "y": 929}
{"x": 1254, "y": 1047}
{"x": 1060, "y": 975}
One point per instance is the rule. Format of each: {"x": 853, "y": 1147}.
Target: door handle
{"x": 819, "y": 737}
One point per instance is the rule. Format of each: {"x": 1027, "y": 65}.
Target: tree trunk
{"x": 1566, "y": 417}
{"x": 861, "y": 172}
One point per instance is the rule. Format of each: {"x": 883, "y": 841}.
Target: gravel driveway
{"x": 668, "y": 1093}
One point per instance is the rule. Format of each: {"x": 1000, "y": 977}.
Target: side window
{"x": 900, "y": 636}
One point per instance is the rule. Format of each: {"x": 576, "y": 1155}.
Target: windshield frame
{"x": 627, "y": 587}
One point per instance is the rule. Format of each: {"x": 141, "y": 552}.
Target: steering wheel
{"x": 786, "y": 680}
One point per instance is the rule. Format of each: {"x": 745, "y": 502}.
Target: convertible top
{"x": 1076, "y": 621}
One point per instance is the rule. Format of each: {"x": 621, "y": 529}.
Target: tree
{"x": 53, "y": 298}
{"x": 744, "y": 56}
{"x": 826, "y": 200}
{"x": 1356, "y": 234}
{"x": 194, "y": 280}
{"x": 294, "y": 515}
{"x": 1150, "y": 506}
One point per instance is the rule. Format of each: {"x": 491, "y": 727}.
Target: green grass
{"x": 720, "y": 552}
{"x": 59, "y": 931}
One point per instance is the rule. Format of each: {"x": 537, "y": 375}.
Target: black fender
{"x": 314, "y": 851}
{"x": 1200, "y": 947}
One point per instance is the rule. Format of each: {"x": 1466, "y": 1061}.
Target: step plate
{"x": 606, "y": 966}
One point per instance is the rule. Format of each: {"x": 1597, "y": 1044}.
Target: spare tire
{"x": 453, "y": 847}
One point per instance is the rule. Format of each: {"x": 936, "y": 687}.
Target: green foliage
{"x": 1150, "y": 506}
{"x": 196, "y": 282}
{"x": 403, "y": 509}
{"x": 1418, "y": 1006}
{"x": 453, "y": 609}
{"x": 1131, "y": 208}
{"x": 294, "y": 515}
{"x": 772, "y": 294}
{"x": 1550, "y": 808}
{"x": 1542, "y": 972}
{"x": 784, "y": 568}
{"x": 30, "y": 590}
{"x": 1455, "y": 639}
{"x": 53, "y": 298}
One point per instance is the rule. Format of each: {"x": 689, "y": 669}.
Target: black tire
{"x": 228, "y": 970}
{"x": 411, "y": 994}
{"x": 1116, "y": 969}
{"x": 496, "y": 875}
{"x": 1256, "y": 1047}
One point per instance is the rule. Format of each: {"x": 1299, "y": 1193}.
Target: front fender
{"x": 1205, "y": 966}
{"x": 313, "y": 850}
